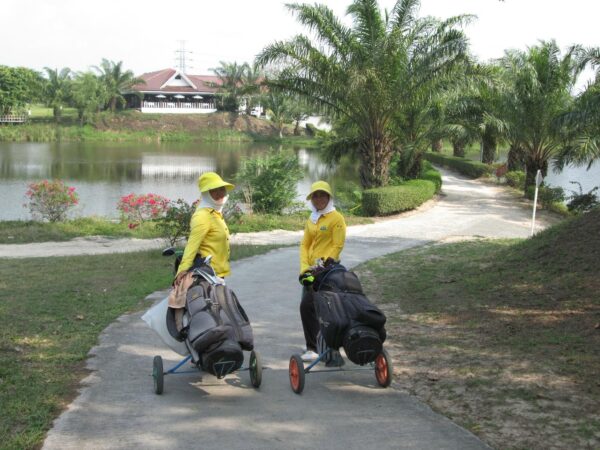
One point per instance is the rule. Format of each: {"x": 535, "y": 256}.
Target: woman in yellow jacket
{"x": 209, "y": 234}
{"x": 324, "y": 237}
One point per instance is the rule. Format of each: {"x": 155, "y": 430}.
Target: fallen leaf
{"x": 79, "y": 317}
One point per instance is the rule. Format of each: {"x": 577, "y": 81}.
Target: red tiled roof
{"x": 156, "y": 80}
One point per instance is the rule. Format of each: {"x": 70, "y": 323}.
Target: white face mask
{"x": 315, "y": 214}
{"x": 208, "y": 202}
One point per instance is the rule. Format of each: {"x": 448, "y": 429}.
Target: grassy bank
{"x": 133, "y": 126}
{"x": 50, "y": 322}
{"x": 22, "y": 232}
{"x": 503, "y": 337}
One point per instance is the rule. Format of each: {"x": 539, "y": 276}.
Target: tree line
{"x": 395, "y": 84}
{"x": 98, "y": 89}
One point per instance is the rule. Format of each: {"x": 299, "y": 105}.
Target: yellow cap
{"x": 211, "y": 180}
{"x": 319, "y": 186}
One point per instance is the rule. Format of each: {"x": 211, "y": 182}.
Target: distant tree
{"x": 280, "y": 109}
{"x": 367, "y": 76}
{"x": 231, "y": 87}
{"x": 116, "y": 82}
{"x": 88, "y": 95}
{"x": 300, "y": 111}
{"x": 252, "y": 87}
{"x": 583, "y": 121}
{"x": 57, "y": 90}
{"x": 18, "y": 86}
{"x": 539, "y": 83}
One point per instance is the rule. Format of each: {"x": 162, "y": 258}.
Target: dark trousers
{"x": 308, "y": 314}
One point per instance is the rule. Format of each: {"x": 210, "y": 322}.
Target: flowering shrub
{"x": 50, "y": 199}
{"x": 136, "y": 209}
{"x": 175, "y": 224}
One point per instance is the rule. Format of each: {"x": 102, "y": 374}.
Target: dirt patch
{"x": 502, "y": 337}
{"x": 192, "y": 123}
{"x": 508, "y": 401}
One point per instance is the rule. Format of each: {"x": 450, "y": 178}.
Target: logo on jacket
{"x": 323, "y": 228}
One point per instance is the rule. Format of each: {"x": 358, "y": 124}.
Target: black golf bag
{"x": 214, "y": 327}
{"x": 346, "y": 316}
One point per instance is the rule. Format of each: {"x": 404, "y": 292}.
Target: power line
{"x": 182, "y": 58}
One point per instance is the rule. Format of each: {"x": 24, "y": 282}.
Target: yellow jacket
{"x": 325, "y": 239}
{"x": 209, "y": 235}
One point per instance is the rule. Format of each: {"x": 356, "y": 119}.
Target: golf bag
{"x": 215, "y": 327}
{"x": 346, "y": 316}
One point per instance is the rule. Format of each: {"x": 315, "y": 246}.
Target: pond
{"x": 104, "y": 172}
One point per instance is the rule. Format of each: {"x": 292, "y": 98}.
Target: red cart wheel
{"x": 383, "y": 369}
{"x": 296, "y": 370}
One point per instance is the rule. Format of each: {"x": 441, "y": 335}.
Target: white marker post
{"x": 538, "y": 181}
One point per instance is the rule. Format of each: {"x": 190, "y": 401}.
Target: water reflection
{"x": 103, "y": 172}
{"x": 175, "y": 166}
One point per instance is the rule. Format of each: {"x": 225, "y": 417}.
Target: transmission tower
{"x": 183, "y": 58}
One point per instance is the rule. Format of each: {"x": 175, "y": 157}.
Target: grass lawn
{"x": 21, "y": 232}
{"x": 51, "y": 313}
{"x": 473, "y": 151}
{"x": 501, "y": 336}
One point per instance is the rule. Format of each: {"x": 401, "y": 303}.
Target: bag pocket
{"x": 332, "y": 317}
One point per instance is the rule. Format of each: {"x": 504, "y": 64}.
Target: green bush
{"x": 516, "y": 179}
{"x": 175, "y": 224}
{"x": 267, "y": 183}
{"x": 467, "y": 167}
{"x": 50, "y": 200}
{"x": 430, "y": 174}
{"x": 348, "y": 198}
{"x": 394, "y": 199}
{"x": 547, "y": 195}
{"x": 580, "y": 202}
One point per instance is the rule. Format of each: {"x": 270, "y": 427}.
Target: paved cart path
{"x": 343, "y": 410}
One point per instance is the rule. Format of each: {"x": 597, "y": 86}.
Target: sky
{"x": 145, "y": 34}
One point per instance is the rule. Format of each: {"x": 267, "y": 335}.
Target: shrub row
{"x": 394, "y": 199}
{"x": 470, "y": 168}
{"x": 430, "y": 174}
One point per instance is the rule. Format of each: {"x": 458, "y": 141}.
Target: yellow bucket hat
{"x": 319, "y": 186}
{"x": 211, "y": 180}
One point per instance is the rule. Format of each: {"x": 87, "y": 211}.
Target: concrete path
{"x": 343, "y": 410}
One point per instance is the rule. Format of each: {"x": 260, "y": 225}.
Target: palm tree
{"x": 539, "y": 82}
{"x": 361, "y": 74}
{"x": 116, "y": 82}
{"x": 57, "y": 90}
{"x": 429, "y": 70}
{"x": 584, "y": 119}
{"x": 475, "y": 111}
{"x": 231, "y": 76}
{"x": 88, "y": 95}
{"x": 251, "y": 87}
{"x": 280, "y": 110}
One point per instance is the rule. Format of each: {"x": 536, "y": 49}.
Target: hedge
{"x": 430, "y": 174}
{"x": 394, "y": 199}
{"x": 470, "y": 168}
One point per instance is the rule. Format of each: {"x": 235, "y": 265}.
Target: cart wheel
{"x": 296, "y": 370}
{"x": 383, "y": 369}
{"x": 158, "y": 375}
{"x": 255, "y": 369}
